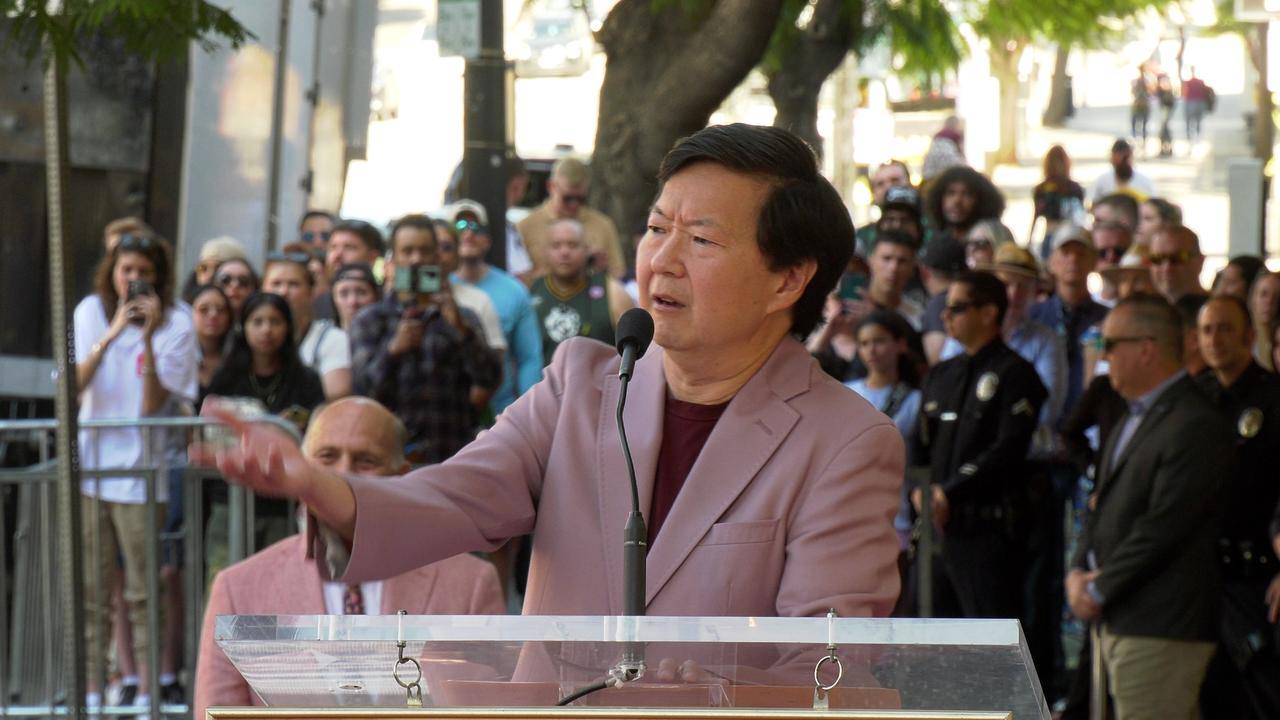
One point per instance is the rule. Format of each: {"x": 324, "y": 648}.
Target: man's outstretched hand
{"x": 259, "y": 456}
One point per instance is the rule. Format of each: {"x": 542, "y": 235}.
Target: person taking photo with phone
{"x": 135, "y": 358}
{"x": 419, "y": 354}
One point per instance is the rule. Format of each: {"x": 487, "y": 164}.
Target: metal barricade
{"x": 33, "y": 677}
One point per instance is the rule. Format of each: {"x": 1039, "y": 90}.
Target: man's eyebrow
{"x": 696, "y": 222}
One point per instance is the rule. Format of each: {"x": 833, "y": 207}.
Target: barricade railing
{"x": 33, "y": 674}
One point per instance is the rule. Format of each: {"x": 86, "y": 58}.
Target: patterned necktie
{"x": 353, "y": 601}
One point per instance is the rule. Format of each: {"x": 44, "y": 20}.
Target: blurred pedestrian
{"x": 960, "y": 198}
{"x": 214, "y": 331}
{"x": 567, "y": 191}
{"x": 1140, "y": 107}
{"x": 1121, "y": 177}
{"x": 354, "y": 288}
{"x": 212, "y": 254}
{"x": 1058, "y": 199}
{"x": 1167, "y": 99}
{"x": 889, "y": 174}
{"x": 321, "y": 345}
{"x": 983, "y": 241}
{"x": 350, "y": 241}
{"x": 1195, "y": 103}
{"x": 945, "y": 151}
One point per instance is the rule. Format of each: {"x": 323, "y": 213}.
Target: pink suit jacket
{"x": 787, "y": 511}
{"x": 280, "y": 580}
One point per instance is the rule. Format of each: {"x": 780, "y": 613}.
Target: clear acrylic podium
{"x": 521, "y": 666}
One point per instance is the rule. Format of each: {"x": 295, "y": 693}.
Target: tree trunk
{"x": 1004, "y": 65}
{"x": 815, "y": 53}
{"x": 1264, "y": 135}
{"x": 667, "y": 72}
{"x": 1059, "y": 109}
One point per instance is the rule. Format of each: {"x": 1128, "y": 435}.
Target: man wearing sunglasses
{"x": 979, "y": 411}
{"x": 1176, "y": 263}
{"x": 315, "y": 227}
{"x": 567, "y": 191}
{"x": 1145, "y": 570}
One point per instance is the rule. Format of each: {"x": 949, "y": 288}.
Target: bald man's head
{"x": 356, "y": 435}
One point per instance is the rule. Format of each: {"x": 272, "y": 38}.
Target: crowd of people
{"x": 1098, "y": 453}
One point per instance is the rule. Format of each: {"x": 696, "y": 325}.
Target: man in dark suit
{"x": 1146, "y": 566}
{"x": 1243, "y": 680}
{"x": 979, "y": 412}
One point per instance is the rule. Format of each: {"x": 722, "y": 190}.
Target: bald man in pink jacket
{"x": 352, "y": 435}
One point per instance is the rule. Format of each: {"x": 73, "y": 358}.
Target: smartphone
{"x": 137, "y": 289}
{"x": 853, "y": 285}
{"x": 418, "y": 279}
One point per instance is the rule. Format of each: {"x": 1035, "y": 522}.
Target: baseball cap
{"x": 944, "y": 255}
{"x": 907, "y": 198}
{"x": 1070, "y": 233}
{"x": 453, "y": 210}
{"x": 356, "y": 271}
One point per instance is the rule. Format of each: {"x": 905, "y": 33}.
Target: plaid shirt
{"x": 429, "y": 389}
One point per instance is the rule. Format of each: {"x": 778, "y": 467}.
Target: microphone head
{"x": 635, "y": 328}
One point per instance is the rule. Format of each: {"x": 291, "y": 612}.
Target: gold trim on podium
{"x": 585, "y": 713}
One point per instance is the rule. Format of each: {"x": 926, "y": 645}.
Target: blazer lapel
{"x": 754, "y": 424}
{"x": 646, "y": 403}
{"x": 1149, "y": 422}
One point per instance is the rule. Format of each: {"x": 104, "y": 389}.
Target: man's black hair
{"x": 417, "y": 222}
{"x": 367, "y": 233}
{"x": 896, "y": 237}
{"x": 315, "y": 214}
{"x": 985, "y": 289}
{"x": 989, "y": 205}
{"x": 802, "y": 219}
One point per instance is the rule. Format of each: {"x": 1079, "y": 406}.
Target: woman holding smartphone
{"x": 136, "y": 358}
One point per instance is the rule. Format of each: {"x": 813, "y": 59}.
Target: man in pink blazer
{"x": 776, "y": 485}
{"x": 351, "y": 435}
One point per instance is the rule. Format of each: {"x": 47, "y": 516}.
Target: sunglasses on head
{"x": 135, "y": 242}
{"x": 310, "y": 237}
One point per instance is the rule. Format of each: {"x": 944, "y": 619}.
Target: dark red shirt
{"x": 685, "y": 429}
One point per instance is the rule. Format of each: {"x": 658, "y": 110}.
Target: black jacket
{"x": 977, "y": 417}
{"x": 1154, "y": 528}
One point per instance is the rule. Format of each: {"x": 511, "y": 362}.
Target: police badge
{"x": 987, "y": 385}
{"x": 1250, "y": 422}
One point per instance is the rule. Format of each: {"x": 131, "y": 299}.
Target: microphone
{"x": 635, "y": 332}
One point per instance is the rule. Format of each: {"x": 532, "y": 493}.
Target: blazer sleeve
{"x": 218, "y": 683}
{"x": 1185, "y": 490}
{"x": 842, "y": 551}
{"x": 475, "y": 501}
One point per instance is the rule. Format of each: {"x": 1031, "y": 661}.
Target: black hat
{"x": 944, "y": 255}
{"x": 356, "y": 271}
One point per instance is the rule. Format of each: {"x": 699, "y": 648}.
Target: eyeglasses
{"x": 226, "y": 281}
{"x": 310, "y": 237}
{"x": 958, "y": 308}
{"x": 465, "y": 225}
{"x": 1112, "y": 254}
{"x": 1178, "y": 258}
{"x": 135, "y": 242}
{"x": 1109, "y": 344}
{"x": 298, "y": 258}
{"x": 568, "y": 199}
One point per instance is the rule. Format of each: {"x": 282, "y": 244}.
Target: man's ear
{"x": 794, "y": 281}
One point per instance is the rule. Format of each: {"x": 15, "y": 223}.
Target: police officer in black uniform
{"x": 979, "y": 411}
{"x": 1244, "y": 677}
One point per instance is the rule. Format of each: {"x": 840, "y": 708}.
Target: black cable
{"x": 583, "y": 692}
